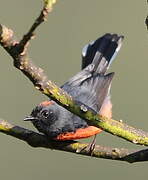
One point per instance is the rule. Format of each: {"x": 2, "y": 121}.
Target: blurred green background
{"x": 57, "y": 49}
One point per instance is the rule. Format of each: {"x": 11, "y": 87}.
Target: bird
{"x": 91, "y": 86}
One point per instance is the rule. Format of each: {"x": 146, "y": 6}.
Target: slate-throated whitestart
{"x": 90, "y": 86}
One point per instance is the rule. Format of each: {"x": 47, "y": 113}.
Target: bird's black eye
{"x": 45, "y": 113}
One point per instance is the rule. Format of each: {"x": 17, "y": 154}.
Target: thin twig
{"x": 30, "y": 34}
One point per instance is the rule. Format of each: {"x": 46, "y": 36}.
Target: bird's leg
{"x": 89, "y": 147}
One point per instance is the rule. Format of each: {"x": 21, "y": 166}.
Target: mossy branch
{"x": 38, "y": 140}
{"x": 18, "y": 51}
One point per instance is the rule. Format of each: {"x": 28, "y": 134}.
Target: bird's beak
{"x": 29, "y": 118}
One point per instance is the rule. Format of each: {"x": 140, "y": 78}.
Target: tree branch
{"x": 18, "y": 51}
{"x": 38, "y": 140}
{"x": 40, "y": 81}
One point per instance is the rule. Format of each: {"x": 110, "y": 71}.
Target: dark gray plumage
{"x": 91, "y": 86}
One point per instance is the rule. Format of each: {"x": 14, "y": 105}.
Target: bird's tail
{"x": 101, "y": 52}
